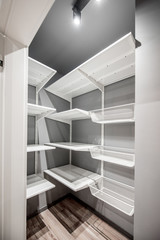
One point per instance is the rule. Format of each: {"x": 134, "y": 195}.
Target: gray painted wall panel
{"x": 89, "y": 101}
{"x": 120, "y": 135}
{"x": 59, "y": 103}
{"x": 122, "y": 92}
{"x": 85, "y": 131}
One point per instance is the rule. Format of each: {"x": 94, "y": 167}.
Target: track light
{"x": 76, "y": 16}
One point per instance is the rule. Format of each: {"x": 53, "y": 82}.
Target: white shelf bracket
{"x": 43, "y": 115}
{"x": 42, "y": 84}
{"x": 92, "y": 80}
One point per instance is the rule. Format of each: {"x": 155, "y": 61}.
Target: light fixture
{"x": 76, "y": 16}
{"x": 98, "y": 1}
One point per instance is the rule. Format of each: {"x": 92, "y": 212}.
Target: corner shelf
{"x": 119, "y": 156}
{"x": 69, "y": 115}
{"x": 37, "y": 185}
{"x": 111, "y": 65}
{"x": 39, "y": 74}
{"x": 116, "y": 194}
{"x": 39, "y": 111}
{"x": 36, "y": 148}
{"x": 73, "y": 177}
{"x": 116, "y": 114}
{"x": 72, "y": 146}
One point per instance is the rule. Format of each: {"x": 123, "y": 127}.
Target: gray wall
{"x": 147, "y": 171}
{"x": 120, "y": 135}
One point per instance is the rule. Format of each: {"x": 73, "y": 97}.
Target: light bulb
{"x": 76, "y": 16}
{"x": 77, "y": 20}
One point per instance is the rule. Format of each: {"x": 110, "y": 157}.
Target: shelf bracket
{"x": 92, "y": 80}
{"x": 43, "y": 115}
{"x": 43, "y": 83}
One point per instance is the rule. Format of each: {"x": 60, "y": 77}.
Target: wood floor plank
{"x": 55, "y": 227}
{"x": 70, "y": 220}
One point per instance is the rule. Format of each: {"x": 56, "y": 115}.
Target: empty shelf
{"x": 73, "y": 177}
{"x": 67, "y": 116}
{"x": 116, "y": 194}
{"x": 37, "y": 185}
{"x": 40, "y": 111}
{"x": 35, "y": 148}
{"x": 72, "y": 146}
{"x": 119, "y": 156}
{"x": 117, "y": 114}
{"x": 113, "y": 64}
{"x": 39, "y": 74}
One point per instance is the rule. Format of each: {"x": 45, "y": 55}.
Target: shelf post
{"x": 102, "y": 134}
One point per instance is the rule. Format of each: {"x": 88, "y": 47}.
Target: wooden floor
{"x": 68, "y": 220}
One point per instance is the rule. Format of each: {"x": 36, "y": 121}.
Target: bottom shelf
{"x": 37, "y": 185}
{"x": 73, "y": 177}
{"x": 116, "y": 194}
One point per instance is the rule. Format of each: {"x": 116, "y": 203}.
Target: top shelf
{"x": 39, "y": 74}
{"x": 69, "y": 115}
{"x": 113, "y": 64}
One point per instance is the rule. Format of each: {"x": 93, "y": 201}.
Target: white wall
{"x": 13, "y": 91}
{"x": 147, "y": 135}
{"x": 1, "y": 111}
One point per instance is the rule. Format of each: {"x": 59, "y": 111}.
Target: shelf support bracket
{"x": 43, "y": 115}
{"x": 92, "y": 80}
{"x": 43, "y": 83}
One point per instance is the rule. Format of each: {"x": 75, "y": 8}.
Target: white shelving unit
{"x": 39, "y": 111}
{"x": 36, "y": 148}
{"x": 113, "y": 64}
{"x": 116, "y": 194}
{"x": 116, "y": 114}
{"x": 39, "y": 74}
{"x": 69, "y": 115}
{"x": 37, "y": 185}
{"x": 119, "y": 156}
{"x": 73, "y": 177}
{"x": 72, "y": 146}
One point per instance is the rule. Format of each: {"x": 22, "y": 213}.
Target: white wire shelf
{"x": 69, "y": 115}
{"x": 117, "y": 114}
{"x": 36, "y": 148}
{"x": 39, "y": 111}
{"x": 72, "y": 146}
{"x": 111, "y": 65}
{"x": 120, "y": 156}
{"x": 116, "y": 194}
{"x": 39, "y": 74}
{"x": 37, "y": 185}
{"x": 73, "y": 177}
